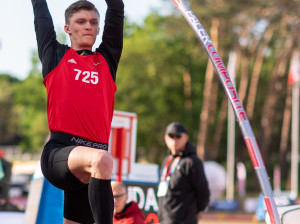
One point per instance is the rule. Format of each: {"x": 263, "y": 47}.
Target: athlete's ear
{"x": 98, "y": 30}
{"x": 67, "y": 29}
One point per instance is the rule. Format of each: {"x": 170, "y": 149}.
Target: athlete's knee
{"x": 102, "y": 164}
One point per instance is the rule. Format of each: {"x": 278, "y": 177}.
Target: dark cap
{"x": 175, "y": 128}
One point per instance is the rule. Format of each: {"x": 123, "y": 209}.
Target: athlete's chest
{"x": 83, "y": 70}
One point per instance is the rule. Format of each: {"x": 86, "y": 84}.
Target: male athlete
{"x": 80, "y": 102}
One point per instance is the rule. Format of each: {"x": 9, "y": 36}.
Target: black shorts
{"x": 54, "y": 165}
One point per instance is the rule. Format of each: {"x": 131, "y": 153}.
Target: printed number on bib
{"x": 87, "y": 76}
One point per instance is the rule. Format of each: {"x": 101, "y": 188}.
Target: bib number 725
{"x": 87, "y": 76}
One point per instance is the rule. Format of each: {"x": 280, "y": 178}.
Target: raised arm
{"x": 44, "y": 28}
{"x": 49, "y": 49}
{"x": 112, "y": 39}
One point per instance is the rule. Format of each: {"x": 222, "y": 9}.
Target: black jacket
{"x": 187, "y": 193}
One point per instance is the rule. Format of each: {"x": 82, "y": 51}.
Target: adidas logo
{"x": 72, "y": 61}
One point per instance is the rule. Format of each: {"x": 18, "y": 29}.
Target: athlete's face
{"x": 83, "y": 28}
{"x": 176, "y": 142}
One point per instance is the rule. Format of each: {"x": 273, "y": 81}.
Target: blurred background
{"x": 165, "y": 75}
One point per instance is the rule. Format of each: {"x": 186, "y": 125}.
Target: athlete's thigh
{"x": 54, "y": 164}
{"x": 82, "y": 162}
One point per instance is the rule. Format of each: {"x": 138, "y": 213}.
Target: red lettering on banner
{"x": 217, "y": 59}
{"x": 225, "y": 74}
{"x": 152, "y": 218}
{"x": 269, "y": 209}
{"x": 223, "y": 69}
{"x": 210, "y": 46}
{"x": 233, "y": 94}
{"x": 220, "y": 65}
{"x": 177, "y": 3}
{"x": 229, "y": 84}
{"x": 242, "y": 115}
{"x": 251, "y": 152}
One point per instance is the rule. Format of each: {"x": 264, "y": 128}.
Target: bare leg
{"x": 85, "y": 162}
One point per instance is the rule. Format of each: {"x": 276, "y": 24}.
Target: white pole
{"x": 295, "y": 127}
{"x": 231, "y": 135}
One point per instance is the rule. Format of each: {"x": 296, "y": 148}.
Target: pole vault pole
{"x": 238, "y": 109}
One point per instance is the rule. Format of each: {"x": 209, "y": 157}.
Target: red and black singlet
{"x": 80, "y": 94}
{"x": 80, "y": 89}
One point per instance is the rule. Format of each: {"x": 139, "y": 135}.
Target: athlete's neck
{"x": 84, "y": 52}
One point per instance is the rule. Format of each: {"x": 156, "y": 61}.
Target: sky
{"x": 17, "y": 36}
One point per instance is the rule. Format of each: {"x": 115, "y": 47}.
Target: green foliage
{"x": 23, "y": 114}
{"x": 9, "y": 132}
{"x": 150, "y": 80}
{"x": 30, "y": 104}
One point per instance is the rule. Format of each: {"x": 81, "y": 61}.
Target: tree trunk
{"x": 214, "y": 99}
{"x": 285, "y": 132}
{"x": 244, "y": 77}
{"x": 220, "y": 126}
{"x": 222, "y": 117}
{"x": 202, "y": 134}
{"x": 187, "y": 88}
{"x": 256, "y": 71}
{"x": 270, "y": 101}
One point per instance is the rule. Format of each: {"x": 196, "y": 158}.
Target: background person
{"x": 183, "y": 190}
{"x": 5, "y": 176}
{"x": 80, "y": 102}
{"x": 125, "y": 213}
